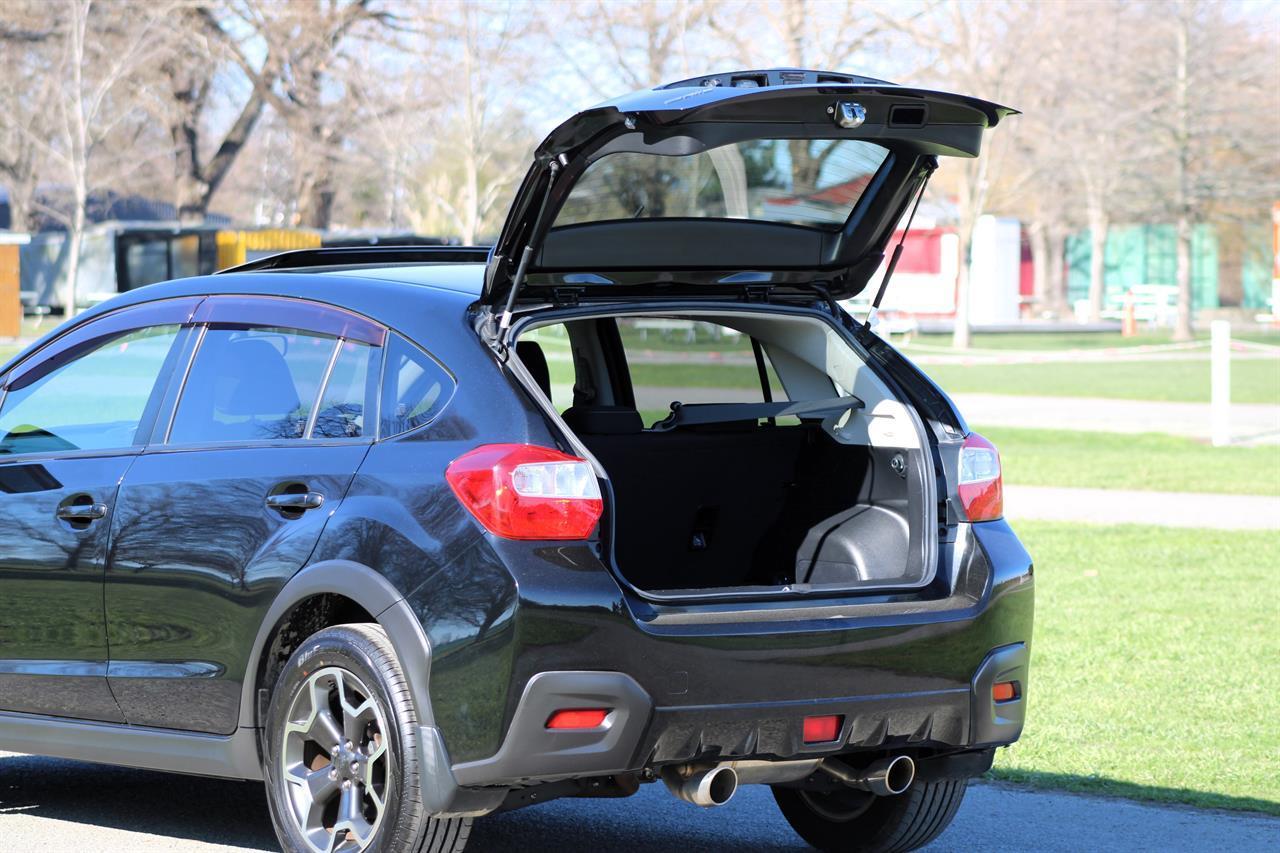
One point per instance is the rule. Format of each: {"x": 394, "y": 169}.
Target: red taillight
{"x": 981, "y": 487}
{"x": 520, "y": 491}
{"x": 822, "y": 729}
{"x": 1004, "y": 691}
{"x": 578, "y": 718}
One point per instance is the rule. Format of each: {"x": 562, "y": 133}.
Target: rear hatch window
{"x": 815, "y": 182}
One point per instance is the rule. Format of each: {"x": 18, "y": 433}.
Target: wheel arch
{"x": 333, "y": 592}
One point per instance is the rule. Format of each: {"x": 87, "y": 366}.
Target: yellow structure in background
{"x": 10, "y": 286}
{"x": 238, "y": 247}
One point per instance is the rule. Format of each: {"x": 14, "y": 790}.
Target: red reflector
{"x": 520, "y": 491}
{"x": 822, "y": 729}
{"x": 1004, "y": 691}
{"x": 981, "y": 486}
{"x": 578, "y": 718}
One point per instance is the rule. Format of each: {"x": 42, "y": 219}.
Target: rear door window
{"x": 415, "y": 390}
{"x": 252, "y": 385}
{"x": 95, "y": 402}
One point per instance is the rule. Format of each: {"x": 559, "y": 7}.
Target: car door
{"x": 73, "y": 417}
{"x": 263, "y": 435}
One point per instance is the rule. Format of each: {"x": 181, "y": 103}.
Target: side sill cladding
{"x": 232, "y": 757}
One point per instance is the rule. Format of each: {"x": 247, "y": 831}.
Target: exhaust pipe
{"x": 706, "y": 787}
{"x": 884, "y": 778}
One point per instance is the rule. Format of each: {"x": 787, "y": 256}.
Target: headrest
{"x": 535, "y": 361}
{"x": 254, "y": 379}
{"x": 604, "y": 420}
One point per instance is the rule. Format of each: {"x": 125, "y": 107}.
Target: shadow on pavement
{"x": 178, "y": 807}
{"x": 235, "y": 813}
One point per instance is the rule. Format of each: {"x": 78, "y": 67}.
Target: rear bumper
{"x": 638, "y": 734}
{"x": 913, "y": 677}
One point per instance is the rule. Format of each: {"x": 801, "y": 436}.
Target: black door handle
{"x": 296, "y": 501}
{"x": 82, "y": 512}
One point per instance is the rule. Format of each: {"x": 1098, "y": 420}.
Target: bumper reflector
{"x": 822, "y": 729}
{"x": 578, "y": 718}
{"x": 1004, "y": 691}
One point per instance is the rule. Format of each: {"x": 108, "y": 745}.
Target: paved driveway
{"x": 53, "y": 805}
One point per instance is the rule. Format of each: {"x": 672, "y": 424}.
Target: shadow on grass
{"x": 1105, "y": 787}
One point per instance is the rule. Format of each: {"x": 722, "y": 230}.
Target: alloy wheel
{"x": 335, "y": 762}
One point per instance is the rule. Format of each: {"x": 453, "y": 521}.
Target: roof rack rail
{"x": 358, "y": 255}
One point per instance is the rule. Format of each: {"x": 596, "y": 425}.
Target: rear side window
{"x": 252, "y": 385}
{"x": 416, "y": 388}
{"x": 95, "y": 402}
{"x": 348, "y": 393}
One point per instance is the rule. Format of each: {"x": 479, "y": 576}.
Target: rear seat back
{"x": 692, "y": 506}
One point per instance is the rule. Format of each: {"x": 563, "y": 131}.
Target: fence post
{"x": 1220, "y": 381}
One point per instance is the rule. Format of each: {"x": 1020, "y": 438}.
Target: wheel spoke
{"x": 351, "y": 817}
{"x": 325, "y": 730}
{"x": 320, "y": 784}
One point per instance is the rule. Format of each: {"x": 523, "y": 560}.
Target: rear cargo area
{"x": 736, "y": 499}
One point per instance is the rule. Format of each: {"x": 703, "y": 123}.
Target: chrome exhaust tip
{"x": 710, "y": 787}
{"x": 884, "y": 778}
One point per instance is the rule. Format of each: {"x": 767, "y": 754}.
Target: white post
{"x": 1220, "y": 381}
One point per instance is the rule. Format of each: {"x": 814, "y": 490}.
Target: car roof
{"x": 420, "y": 301}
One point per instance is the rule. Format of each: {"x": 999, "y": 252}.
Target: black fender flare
{"x": 375, "y": 594}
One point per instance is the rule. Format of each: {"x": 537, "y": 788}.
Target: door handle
{"x": 296, "y": 502}
{"x": 82, "y": 512}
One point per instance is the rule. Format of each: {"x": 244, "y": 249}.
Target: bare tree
{"x": 1216, "y": 123}
{"x": 475, "y": 143}
{"x": 981, "y": 49}
{"x": 98, "y": 60}
{"x": 308, "y": 82}
{"x": 196, "y": 41}
{"x": 27, "y": 41}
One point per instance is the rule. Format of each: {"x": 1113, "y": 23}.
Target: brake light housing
{"x": 522, "y": 491}
{"x": 981, "y": 481}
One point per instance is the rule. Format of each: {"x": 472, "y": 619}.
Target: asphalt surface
{"x": 54, "y": 805}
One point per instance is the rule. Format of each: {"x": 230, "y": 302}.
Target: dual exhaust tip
{"x": 715, "y": 785}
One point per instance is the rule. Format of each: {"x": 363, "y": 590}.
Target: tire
{"x": 325, "y": 796}
{"x": 849, "y": 821}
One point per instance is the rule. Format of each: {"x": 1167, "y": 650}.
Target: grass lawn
{"x": 7, "y": 352}
{"x": 1255, "y": 381}
{"x": 1154, "y": 666}
{"x": 1152, "y": 462}
{"x": 1080, "y": 340}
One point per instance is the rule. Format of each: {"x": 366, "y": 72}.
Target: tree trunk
{"x": 315, "y": 206}
{"x": 1184, "y": 331}
{"x": 1099, "y": 224}
{"x": 1058, "y": 272}
{"x": 1038, "y": 237}
{"x": 962, "y": 337}
{"x": 75, "y": 238}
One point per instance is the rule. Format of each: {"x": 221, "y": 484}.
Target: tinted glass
{"x": 95, "y": 402}
{"x": 801, "y": 181}
{"x": 251, "y": 385}
{"x": 346, "y": 395}
{"x": 416, "y": 387}
{"x": 146, "y": 263}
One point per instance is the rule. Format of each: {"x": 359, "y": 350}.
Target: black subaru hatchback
{"x": 415, "y": 535}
